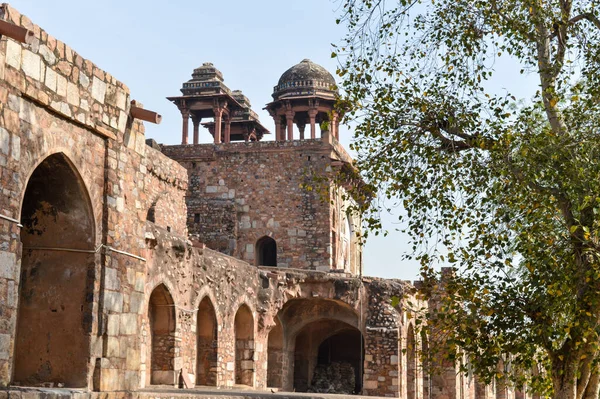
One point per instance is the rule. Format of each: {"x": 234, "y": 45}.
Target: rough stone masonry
{"x": 101, "y": 288}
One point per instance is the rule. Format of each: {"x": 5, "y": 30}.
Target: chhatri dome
{"x": 304, "y": 95}
{"x": 305, "y": 75}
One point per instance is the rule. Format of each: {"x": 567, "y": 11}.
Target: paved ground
{"x": 164, "y": 392}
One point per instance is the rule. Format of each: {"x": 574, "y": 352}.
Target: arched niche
{"x": 275, "y": 356}
{"x": 161, "y": 315}
{"x": 244, "y": 346}
{"x": 206, "y": 364}
{"x": 54, "y": 320}
{"x": 266, "y": 252}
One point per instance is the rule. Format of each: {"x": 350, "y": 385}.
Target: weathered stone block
{"x": 7, "y": 263}
{"x": 98, "y": 89}
{"x": 111, "y": 279}
{"x": 31, "y": 64}
{"x": 4, "y": 142}
{"x": 113, "y": 301}
{"x": 129, "y": 324}
{"x": 13, "y": 54}
{"x": 5, "y": 343}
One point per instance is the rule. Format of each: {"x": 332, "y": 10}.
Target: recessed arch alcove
{"x": 244, "y": 346}
{"x": 206, "y": 364}
{"x": 322, "y": 337}
{"x": 162, "y": 320}
{"x": 54, "y": 320}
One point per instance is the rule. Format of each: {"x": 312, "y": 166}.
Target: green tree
{"x": 506, "y": 190}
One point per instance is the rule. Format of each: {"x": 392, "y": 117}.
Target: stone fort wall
{"x": 100, "y": 288}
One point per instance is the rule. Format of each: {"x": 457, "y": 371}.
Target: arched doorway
{"x": 328, "y": 358}
{"x": 275, "y": 356}
{"x": 411, "y": 364}
{"x": 244, "y": 346}
{"x": 314, "y": 359}
{"x": 56, "y": 294}
{"x": 161, "y": 314}
{"x": 206, "y": 365}
{"x": 266, "y": 252}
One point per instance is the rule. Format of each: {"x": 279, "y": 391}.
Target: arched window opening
{"x": 275, "y": 356}
{"x": 55, "y": 295}
{"x": 151, "y": 215}
{"x": 411, "y": 364}
{"x": 244, "y": 346}
{"x": 266, "y": 252}
{"x": 206, "y": 365}
{"x": 161, "y": 314}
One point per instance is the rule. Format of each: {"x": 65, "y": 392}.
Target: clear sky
{"x": 153, "y": 46}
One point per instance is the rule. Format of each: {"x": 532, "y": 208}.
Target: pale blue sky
{"x": 153, "y": 47}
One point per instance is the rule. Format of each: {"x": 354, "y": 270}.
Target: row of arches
{"x": 163, "y": 347}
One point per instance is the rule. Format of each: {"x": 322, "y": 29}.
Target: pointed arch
{"x": 54, "y": 315}
{"x": 206, "y": 344}
{"x": 275, "y": 356}
{"x": 244, "y": 346}
{"x": 266, "y": 251}
{"x": 162, "y": 321}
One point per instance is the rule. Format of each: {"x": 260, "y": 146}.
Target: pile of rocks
{"x": 336, "y": 377}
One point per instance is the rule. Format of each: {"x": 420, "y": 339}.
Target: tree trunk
{"x": 564, "y": 379}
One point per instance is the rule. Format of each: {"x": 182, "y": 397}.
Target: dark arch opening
{"x": 54, "y": 319}
{"x": 344, "y": 348}
{"x": 161, "y": 314}
{"x": 244, "y": 346}
{"x": 328, "y": 358}
{"x": 266, "y": 252}
{"x": 206, "y": 365}
{"x": 275, "y": 356}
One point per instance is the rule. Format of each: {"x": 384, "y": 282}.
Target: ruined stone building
{"x": 126, "y": 265}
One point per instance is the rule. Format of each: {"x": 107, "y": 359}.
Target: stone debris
{"x": 337, "y": 377}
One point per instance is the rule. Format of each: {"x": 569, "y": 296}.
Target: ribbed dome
{"x": 305, "y": 79}
{"x": 306, "y": 70}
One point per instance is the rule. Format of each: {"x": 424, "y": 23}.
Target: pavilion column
{"x": 227, "y": 132}
{"x": 218, "y": 120}
{"x": 301, "y": 127}
{"x": 312, "y": 114}
{"x": 185, "y": 114}
{"x": 196, "y": 123}
{"x": 282, "y": 127}
{"x": 289, "y": 116}
{"x": 334, "y": 125}
{"x": 277, "y": 129}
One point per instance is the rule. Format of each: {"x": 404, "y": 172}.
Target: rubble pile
{"x": 337, "y": 377}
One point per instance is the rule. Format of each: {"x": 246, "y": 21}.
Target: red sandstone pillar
{"x": 301, "y": 127}
{"x": 289, "y": 116}
{"x": 313, "y": 129}
{"x": 227, "y": 135}
{"x": 185, "y": 114}
{"x": 277, "y": 128}
{"x": 334, "y": 125}
{"x": 196, "y": 123}
{"x": 218, "y": 119}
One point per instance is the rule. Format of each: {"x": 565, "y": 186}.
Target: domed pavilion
{"x": 304, "y": 95}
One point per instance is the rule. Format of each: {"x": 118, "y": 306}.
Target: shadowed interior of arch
{"x": 161, "y": 315}
{"x": 207, "y": 357}
{"x": 244, "y": 346}
{"x": 56, "y": 290}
